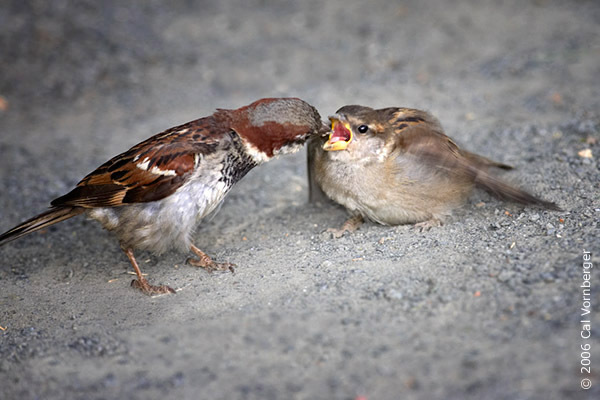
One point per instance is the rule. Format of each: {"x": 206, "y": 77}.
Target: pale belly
{"x": 396, "y": 202}
{"x": 164, "y": 224}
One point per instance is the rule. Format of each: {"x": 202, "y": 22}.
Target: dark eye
{"x": 363, "y": 129}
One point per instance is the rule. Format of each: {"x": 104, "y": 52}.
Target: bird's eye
{"x": 363, "y": 129}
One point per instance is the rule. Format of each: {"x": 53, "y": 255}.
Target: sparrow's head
{"x": 357, "y": 130}
{"x": 364, "y": 131}
{"x": 273, "y": 126}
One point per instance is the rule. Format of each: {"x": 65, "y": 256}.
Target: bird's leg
{"x": 204, "y": 261}
{"x": 141, "y": 282}
{"x": 350, "y": 226}
{"x": 427, "y": 225}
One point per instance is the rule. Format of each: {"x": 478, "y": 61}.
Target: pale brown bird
{"x": 396, "y": 166}
{"x": 153, "y": 195}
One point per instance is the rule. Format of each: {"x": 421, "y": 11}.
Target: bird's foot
{"x": 146, "y": 288}
{"x": 427, "y": 225}
{"x": 141, "y": 283}
{"x": 204, "y": 261}
{"x": 351, "y": 225}
{"x": 211, "y": 265}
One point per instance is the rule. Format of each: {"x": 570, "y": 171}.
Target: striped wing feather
{"x": 149, "y": 171}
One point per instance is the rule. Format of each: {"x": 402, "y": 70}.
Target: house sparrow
{"x": 396, "y": 166}
{"x": 153, "y": 195}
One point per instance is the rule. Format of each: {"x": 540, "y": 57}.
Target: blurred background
{"x": 158, "y": 64}
{"x": 384, "y": 313}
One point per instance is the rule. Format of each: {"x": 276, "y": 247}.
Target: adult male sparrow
{"x": 153, "y": 195}
{"x": 396, "y": 166}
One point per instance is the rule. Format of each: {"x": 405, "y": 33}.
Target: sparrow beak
{"x": 340, "y": 136}
{"x": 324, "y": 130}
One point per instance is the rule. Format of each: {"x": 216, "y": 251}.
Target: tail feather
{"x": 50, "y": 217}
{"x": 505, "y": 191}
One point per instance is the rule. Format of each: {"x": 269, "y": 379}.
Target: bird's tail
{"x": 505, "y": 191}
{"x": 50, "y": 217}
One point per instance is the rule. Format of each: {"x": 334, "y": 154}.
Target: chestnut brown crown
{"x": 272, "y": 124}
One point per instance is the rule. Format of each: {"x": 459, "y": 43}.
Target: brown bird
{"x": 396, "y": 166}
{"x": 153, "y": 195}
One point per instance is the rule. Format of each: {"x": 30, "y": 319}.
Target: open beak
{"x": 340, "y": 136}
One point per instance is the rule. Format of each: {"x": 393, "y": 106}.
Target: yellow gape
{"x": 340, "y": 137}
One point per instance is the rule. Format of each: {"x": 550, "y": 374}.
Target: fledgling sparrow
{"x": 396, "y": 166}
{"x": 153, "y": 195}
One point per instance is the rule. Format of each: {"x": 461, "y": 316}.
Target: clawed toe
{"x": 427, "y": 225}
{"x": 350, "y": 226}
{"x": 204, "y": 261}
{"x": 337, "y": 233}
{"x": 141, "y": 283}
{"x": 210, "y": 265}
{"x": 146, "y": 288}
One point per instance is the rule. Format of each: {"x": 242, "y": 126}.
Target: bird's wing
{"x": 438, "y": 155}
{"x": 421, "y": 151}
{"x": 149, "y": 171}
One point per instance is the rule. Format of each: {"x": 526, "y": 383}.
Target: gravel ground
{"x": 487, "y": 306}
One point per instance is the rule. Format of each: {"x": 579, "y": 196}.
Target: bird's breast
{"x": 203, "y": 193}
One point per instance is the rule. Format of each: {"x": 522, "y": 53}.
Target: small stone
{"x": 585, "y": 153}
{"x": 393, "y": 294}
{"x": 534, "y": 217}
{"x": 547, "y": 277}
{"x": 505, "y": 275}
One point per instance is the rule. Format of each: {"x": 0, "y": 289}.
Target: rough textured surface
{"x": 487, "y": 306}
